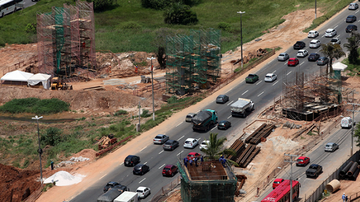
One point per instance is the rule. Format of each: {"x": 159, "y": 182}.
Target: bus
{"x": 9, "y": 6}
{"x": 282, "y": 192}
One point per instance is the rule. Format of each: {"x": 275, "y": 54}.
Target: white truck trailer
{"x": 127, "y": 196}
{"x": 241, "y": 106}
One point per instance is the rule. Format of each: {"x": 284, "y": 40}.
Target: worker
{"x": 191, "y": 161}
{"x": 196, "y": 159}
{"x": 202, "y": 159}
{"x": 136, "y": 69}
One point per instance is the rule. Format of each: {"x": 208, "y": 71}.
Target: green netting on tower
{"x": 192, "y": 61}
{"x": 206, "y": 190}
{"x": 336, "y": 84}
{"x": 62, "y": 39}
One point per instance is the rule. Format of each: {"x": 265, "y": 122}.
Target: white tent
{"x": 39, "y": 77}
{"x": 339, "y": 66}
{"x": 17, "y": 75}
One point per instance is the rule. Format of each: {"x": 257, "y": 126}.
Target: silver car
{"x": 353, "y": 6}
{"x": 335, "y": 41}
{"x": 313, "y": 34}
{"x": 314, "y": 43}
{"x": 330, "y": 33}
{"x": 322, "y": 61}
{"x": 160, "y": 139}
{"x": 283, "y": 57}
{"x": 331, "y": 147}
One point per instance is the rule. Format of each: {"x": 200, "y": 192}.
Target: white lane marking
{"x": 121, "y": 163}
{"x": 261, "y": 93}
{"x": 161, "y": 152}
{"x": 275, "y": 83}
{"x": 230, "y": 103}
{"x": 288, "y": 73}
{"x": 356, "y": 11}
{"x": 179, "y": 124}
{"x": 302, "y": 63}
{"x": 244, "y": 92}
{"x": 162, "y": 166}
{"x": 229, "y": 117}
{"x": 180, "y": 153}
{"x": 336, "y": 26}
{"x": 181, "y": 137}
{"x": 143, "y": 148}
{"x": 338, "y": 36}
{"x": 145, "y": 162}
{"x": 258, "y": 82}
{"x": 274, "y": 72}
{"x": 285, "y": 63}
{"x": 213, "y": 129}
{"x": 142, "y": 180}
{"x": 322, "y": 36}
{"x": 102, "y": 176}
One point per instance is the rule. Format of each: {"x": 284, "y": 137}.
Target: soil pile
{"x": 16, "y": 183}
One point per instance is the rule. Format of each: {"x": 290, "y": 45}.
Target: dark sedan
{"x": 109, "y": 185}
{"x": 170, "y": 145}
{"x": 299, "y": 45}
{"x": 141, "y": 169}
{"x": 313, "y": 57}
{"x": 131, "y": 160}
{"x": 222, "y": 99}
{"x": 322, "y": 61}
{"x": 351, "y": 28}
{"x": 224, "y": 125}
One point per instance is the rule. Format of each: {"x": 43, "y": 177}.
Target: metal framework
{"x": 66, "y": 39}
{"x": 192, "y": 61}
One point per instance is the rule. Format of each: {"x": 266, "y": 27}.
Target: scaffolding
{"x": 192, "y": 61}
{"x": 66, "y": 39}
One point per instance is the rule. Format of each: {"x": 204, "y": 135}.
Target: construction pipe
{"x": 356, "y": 173}
{"x": 346, "y": 168}
{"x": 333, "y": 186}
{"x": 352, "y": 169}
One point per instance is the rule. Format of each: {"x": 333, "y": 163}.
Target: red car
{"x": 169, "y": 170}
{"x": 277, "y": 181}
{"x": 192, "y": 155}
{"x": 293, "y": 61}
{"x": 302, "y": 161}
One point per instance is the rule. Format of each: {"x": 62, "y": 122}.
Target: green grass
{"x": 129, "y": 27}
{"x": 35, "y": 106}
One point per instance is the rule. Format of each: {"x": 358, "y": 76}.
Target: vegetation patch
{"x": 35, "y": 106}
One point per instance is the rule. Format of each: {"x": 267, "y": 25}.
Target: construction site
{"x": 66, "y": 41}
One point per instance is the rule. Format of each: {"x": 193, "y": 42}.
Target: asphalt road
{"x": 260, "y": 93}
{"x": 27, "y": 3}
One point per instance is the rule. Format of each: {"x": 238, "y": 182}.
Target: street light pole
{"x": 242, "y": 63}
{"x": 39, "y": 150}
{"x": 352, "y": 127}
{"x": 291, "y": 162}
{"x": 152, "y": 85}
{"x": 315, "y": 9}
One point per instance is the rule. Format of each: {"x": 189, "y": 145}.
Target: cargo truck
{"x": 241, "y": 106}
{"x": 127, "y": 196}
{"x": 204, "y": 120}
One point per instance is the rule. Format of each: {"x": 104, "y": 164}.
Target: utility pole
{"x": 291, "y": 161}
{"x": 152, "y": 85}
{"x": 139, "y": 117}
{"x": 39, "y": 150}
{"x": 352, "y": 126}
{"x": 242, "y": 63}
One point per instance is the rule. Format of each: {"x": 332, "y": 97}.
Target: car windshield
{"x": 203, "y": 143}
{"x": 139, "y": 191}
{"x": 291, "y": 60}
{"x": 250, "y": 75}
{"x": 159, "y": 137}
{"x": 138, "y": 168}
{"x": 328, "y": 145}
{"x": 282, "y": 54}
{"x": 312, "y": 167}
{"x": 168, "y": 143}
{"x": 187, "y": 141}
{"x": 334, "y": 40}
{"x": 166, "y": 169}
{"x": 328, "y": 31}
{"x": 277, "y": 182}
{"x": 299, "y": 160}
{"x": 269, "y": 77}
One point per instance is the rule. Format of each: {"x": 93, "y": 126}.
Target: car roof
{"x": 141, "y": 188}
{"x": 131, "y": 156}
{"x": 278, "y": 180}
{"x": 191, "y": 113}
{"x": 190, "y": 139}
{"x": 112, "y": 182}
{"x": 205, "y": 141}
{"x": 224, "y": 121}
{"x": 139, "y": 165}
{"x": 312, "y": 31}
{"x": 283, "y": 53}
{"x": 322, "y": 57}
{"x": 329, "y": 143}
{"x": 292, "y": 58}
{"x": 299, "y": 42}
{"x": 221, "y": 95}
{"x": 330, "y": 29}
{"x": 302, "y": 157}
{"x": 252, "y": 74}
{"x": 170, "y": 141}
{"x": 314, "y": 40}
{"x": 351, "y": 16}
{"x": 169, "y": 166}
{"x": 269, "y": 74}
{"x": 193, "y": 153}
{"x": 314, "y": 165}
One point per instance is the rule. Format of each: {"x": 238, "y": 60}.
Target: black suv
{"x": 351, "y": 19}
{"x": 131, "y": 160}
{"x": 313, "y": 57}
{"x": 314, "y": 170}
{"x": 299, "y": 45}
{"x": 351, "y": 28}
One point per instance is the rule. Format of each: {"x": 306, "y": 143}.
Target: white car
{"x": 191, "y": 143}
{"x": 330, "y": 33}
{"x": 270, "y": 77}
{"x": 283, "y": 57}
{"x": 335, "y": 41}
{"x": 313, "y": 34}
{"x": 143, "y": 192}
{"x": 204, "y": 144}
{"x": 302, "y": 53}
{"x": 353, "y": 6}
{"x": 314, "y": 43}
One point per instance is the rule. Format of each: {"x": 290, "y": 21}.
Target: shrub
{"x": 180, "y": 14}
{"x": 224, "y": 26}
{"x": 131, "y": 25}
{"x": 35, "y": 105}
{"x": 52, "y": 136}
{"x": 145, "y": 113}
{"x": 30, "y": 28}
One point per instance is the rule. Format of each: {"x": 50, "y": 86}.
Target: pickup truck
{"x": 314, "y": 170}
{"x": 204, "y": 120}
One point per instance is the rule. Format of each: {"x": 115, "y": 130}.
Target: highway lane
{"x": 328, "y": 160}
{"x": 261, "y": 93}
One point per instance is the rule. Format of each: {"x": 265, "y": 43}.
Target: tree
{"x": 352, "y": 46}
{"x": 332, "y": 51}
{"x": 215, "y": 148}
{"x": 160, "y": 43}
{"x": 357, "y": 134}
{"x": 180, "y": 14}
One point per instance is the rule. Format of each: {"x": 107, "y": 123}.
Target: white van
{"x": 346, "y": 122}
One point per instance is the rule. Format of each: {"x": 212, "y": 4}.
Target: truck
{"x": 346, "y": 122}
{"x": 241, "y": 106}
{"x": 127, "y": 196}
{"x": 204, "y": 120}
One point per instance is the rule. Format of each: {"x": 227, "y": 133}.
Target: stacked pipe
{"x": 353, "y": 171}
{"x": 345, "y": 169}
